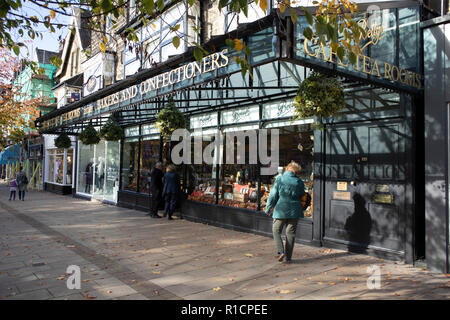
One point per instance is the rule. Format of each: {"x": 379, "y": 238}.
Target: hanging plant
{"x": 169, "y": 119}
{"x": 111, "y": 131}
{"x": 89, "y": 136}
{"x": 319, "y": 95}
{"x": 63, "y": 141}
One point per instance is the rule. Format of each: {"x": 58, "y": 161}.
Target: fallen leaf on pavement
{"x": 109, "y": 291}
{"x": 286, "y": 291}
{"x": 295, "y": 279}
{"x": 87, "y": 297}
{"x": 248, "y": 255}
{"x": 156, "y": 272}
{"x": 60, "y": 278}
{"x": 217, "y": 289}
{"x": 86, "y": 280}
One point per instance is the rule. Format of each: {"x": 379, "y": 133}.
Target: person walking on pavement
{"x": 156, "y": 188}
{"x": 12, "y": 189}
{"x": 171, "y": 190}
{"x": 285, "y": 200}
{"x": 22, "y": 182}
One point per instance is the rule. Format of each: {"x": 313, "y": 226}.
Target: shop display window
{"x": 59, "y": 166}
{"x": 69, "y": 166}
{"x": 85, "y": 168}
{"x": 296, "y": 143}
{"x": 130, "y": 164}
{"x": 238, "y": 182}
{"x": 201, "y": 178}
{"x": 51, "y": 165}
{"x": 112, "y": 170}
{"x": 149, "y": 157}
{"x": 56, "y": 164}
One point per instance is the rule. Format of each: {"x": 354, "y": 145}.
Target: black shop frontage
{"x": 361, "y": 169}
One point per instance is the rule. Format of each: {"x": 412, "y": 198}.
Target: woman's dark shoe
{"x": 169, "y": 218}
{"x": 156, "y": 216}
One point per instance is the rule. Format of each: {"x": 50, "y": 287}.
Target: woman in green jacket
{"x": 285, "y": 200}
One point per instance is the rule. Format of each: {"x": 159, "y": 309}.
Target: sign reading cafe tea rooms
{"x": 190, "y": 70}
{"x": 381, "y": 69}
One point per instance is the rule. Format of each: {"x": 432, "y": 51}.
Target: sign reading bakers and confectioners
{"x": 188, "y": 71}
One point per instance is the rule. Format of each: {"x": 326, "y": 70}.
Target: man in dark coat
{"x": 171, "y": 190}
{"x": 156, "y": 188}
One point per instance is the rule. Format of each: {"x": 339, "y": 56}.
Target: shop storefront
{"x": 361, "y": 168}
{"x": 58, "y": 166}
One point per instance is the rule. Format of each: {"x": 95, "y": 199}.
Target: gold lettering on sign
{"x": 342, "y": 186}
{"x": 383, "y": 198}
{"x": 382, "y": 188}
{"x": 366, "y": 64}
{"x": 342, "y": 195}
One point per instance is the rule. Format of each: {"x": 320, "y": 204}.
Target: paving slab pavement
{"x": 125, "y": 255}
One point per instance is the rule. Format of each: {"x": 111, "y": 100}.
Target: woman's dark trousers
{"x": 171, "y": 200}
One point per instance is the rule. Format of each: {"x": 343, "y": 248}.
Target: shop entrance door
{"x": 365, "y": 170}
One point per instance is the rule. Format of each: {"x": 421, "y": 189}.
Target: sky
{"x": 49, "y": 41}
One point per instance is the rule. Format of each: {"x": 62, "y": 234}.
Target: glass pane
{"x": 85, "y": 168}
{"x": 130, "y": 164}
{"x": 238, "y": 182}
{"x": 296, "y": 143}
{"x": 201, "y": 177}
{"x": 149, "y": 157}
{"x": 112, "y": 170}
{"x": 69, "y": 166}
{"x": 59, "y": 168}
{"x": 99, "y": 173}
{"x": 51, "y": 167}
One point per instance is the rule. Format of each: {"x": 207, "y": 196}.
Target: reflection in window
{"x": 296, "y": 143}
{"x": 85, "y": 168}
{"x": 69, "y": 166}
{"x": 130, "y": 164}
{"x": 51, "y": 166}
{"x": 149, "y": 157}
{"x": 238, "y": 182}
{"x": 112, "y": 171}
{"x": 202, "y": 178}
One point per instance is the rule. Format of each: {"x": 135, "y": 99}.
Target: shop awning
{"x": 10, "y": 154}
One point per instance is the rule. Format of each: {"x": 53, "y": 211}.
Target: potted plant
{"x": 319, "y": 96}
{"x": 167, "y": 121}
{"x": 111, "y": 130}
{"x": 63, "y": 141}
{"x": 89, "y": 135}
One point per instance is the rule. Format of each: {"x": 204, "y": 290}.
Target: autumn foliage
{"x": 17, "y": 112}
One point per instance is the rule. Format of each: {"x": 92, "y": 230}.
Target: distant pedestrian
{"x": 285, "y": 200}
{"x": 156, "y": 188}
{"x": 22, "y": 182}
{"x": 12, "y": 189}
{"x": 171, "y": 190}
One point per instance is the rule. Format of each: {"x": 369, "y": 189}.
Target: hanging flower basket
{"x": 111, "y": 131}
{"x": 89, "y": 136}
{"x": 169, "y": 119}
{"x": 63, "y": 141}
{"x": 319, "y": 95}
